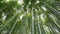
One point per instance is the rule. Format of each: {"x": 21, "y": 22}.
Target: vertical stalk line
{"x": 38, "y": 22}
{"x": 32, "y": 24}
{"x": 39, "y": 29}
{"x": 13, "y": 26}
{"x": 35, "y": 22}
{"x": 27, "y": 20}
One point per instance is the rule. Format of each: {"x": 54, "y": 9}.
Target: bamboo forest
{"x": 29, "y": 16}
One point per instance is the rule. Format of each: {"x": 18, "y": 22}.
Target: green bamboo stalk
{"x": 32, "y": 23}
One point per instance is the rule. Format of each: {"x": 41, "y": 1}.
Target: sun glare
{"x": 44, "y": 8}
{"x": 20, "y": 2}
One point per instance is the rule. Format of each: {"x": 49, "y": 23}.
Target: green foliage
{"x": 30, "y": 17}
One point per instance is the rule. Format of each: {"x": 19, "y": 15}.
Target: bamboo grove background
{"x": 29, "y": 16}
